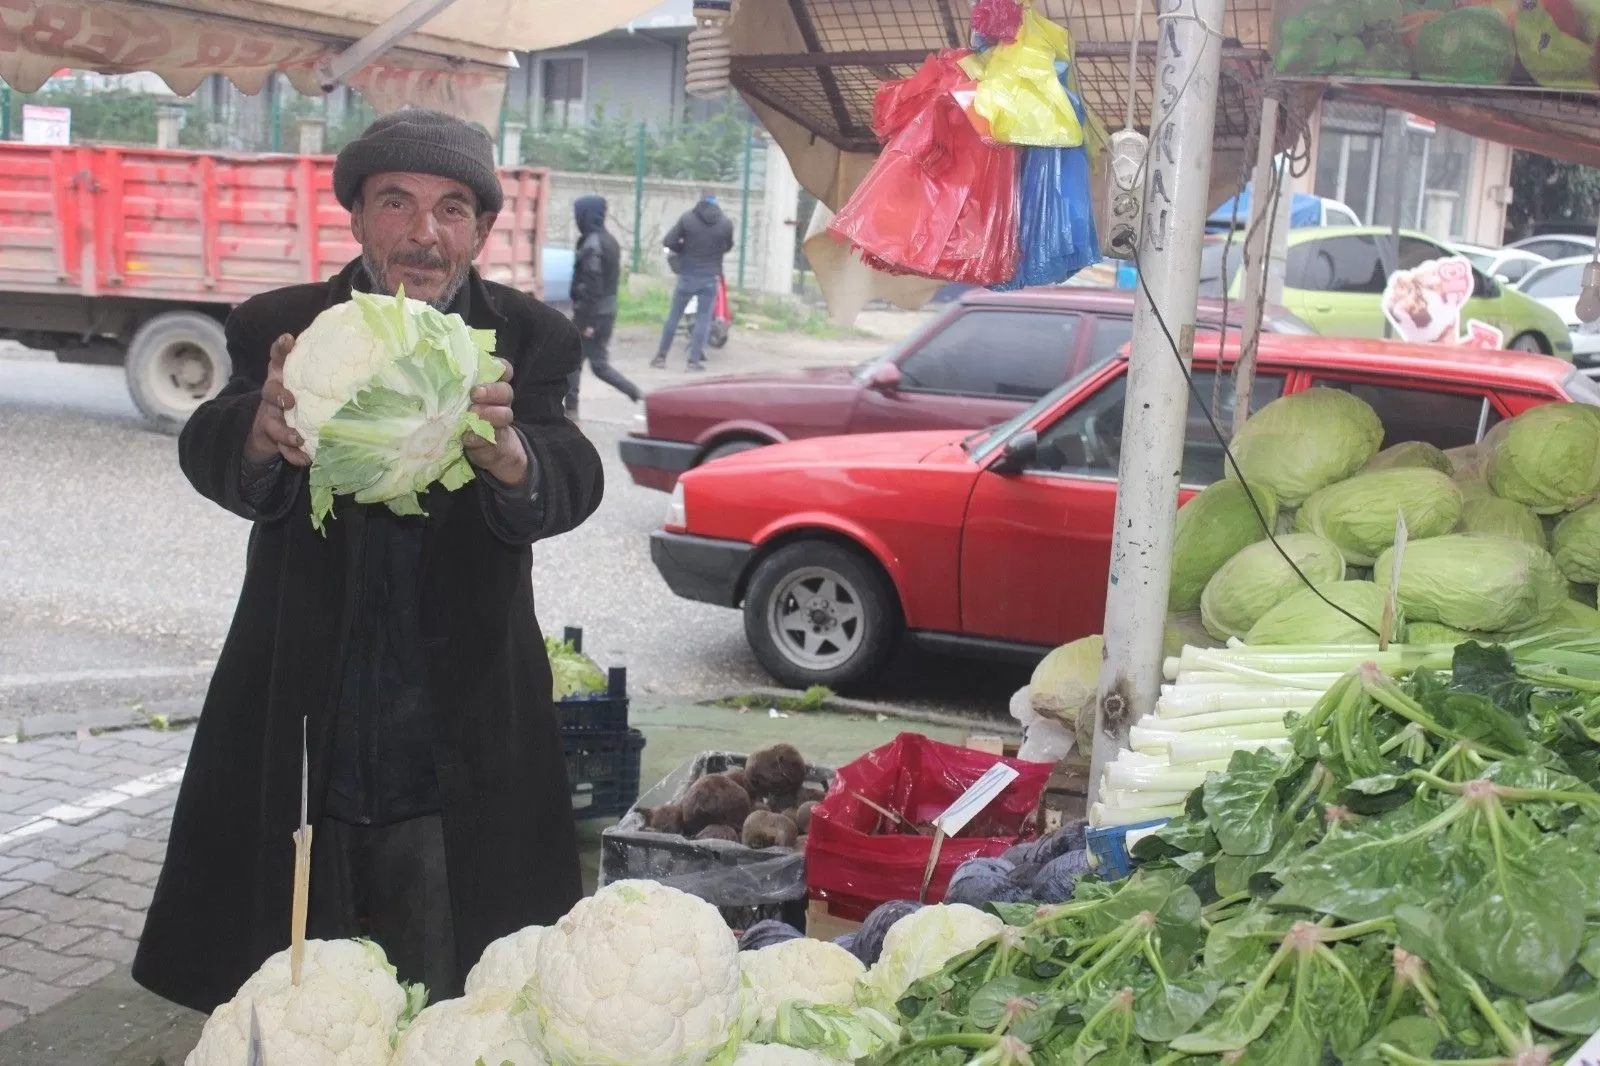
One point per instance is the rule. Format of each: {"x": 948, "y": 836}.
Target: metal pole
{"x": 5, "y": 112}
{"x": 1257, "y": 255}
{"x": 744, "y": 198}
{"x": 1177, "y": 186}
{"x": 639, "y": 164}
{"x": 1422, "y": 184}
{"x": 275, "y": 113}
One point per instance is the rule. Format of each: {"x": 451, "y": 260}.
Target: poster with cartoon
{"x": 1424, "y": 305}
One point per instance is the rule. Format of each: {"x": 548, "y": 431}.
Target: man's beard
{"x": 380, "y": 279}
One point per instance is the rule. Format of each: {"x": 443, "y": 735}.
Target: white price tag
{"x": 1588, "y": 1054}
{"x": 975, "y": 799}
{"x": 1391, "y": 602}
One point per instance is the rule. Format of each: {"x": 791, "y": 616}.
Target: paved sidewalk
{"x": 83, "y": 829}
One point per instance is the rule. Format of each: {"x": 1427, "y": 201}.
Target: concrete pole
{"x": 1263, "y": 263}
{"x": 169, "y": 121}
{"x": 780, "y": 202}
{"x": 313, "y": 128}
{"x": 1177, "y": 187}
{"x": 511, "y": 143}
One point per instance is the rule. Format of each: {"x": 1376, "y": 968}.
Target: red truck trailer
{"x": 126, "y": 255}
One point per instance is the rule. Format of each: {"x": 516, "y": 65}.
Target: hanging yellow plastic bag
{"x": 1019, "y": 97}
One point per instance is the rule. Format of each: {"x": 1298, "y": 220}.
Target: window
{"x": 1018, "y": 355}
{"x": 1556, "y": 281}
{"x": 1088, "y": 439}
{"x": 1443, "y": 419}
{"x": 561, "y": 90}
{"x": 1340, "y": 215}
{"x": 1415, "y": 252}
{"x": 1556, "y": 248}
{"x": 1338, "y": 264}
{"x": 1110, "y": 334}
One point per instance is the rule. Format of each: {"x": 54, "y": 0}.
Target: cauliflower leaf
{"x": 920, "y": 944}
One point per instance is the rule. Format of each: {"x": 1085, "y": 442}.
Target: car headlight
{"x": 677, "y": 510}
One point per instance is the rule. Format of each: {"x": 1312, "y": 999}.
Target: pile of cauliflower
{"x": 637, "y": 975}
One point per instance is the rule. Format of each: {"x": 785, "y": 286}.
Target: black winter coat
{"x": 222, "y": 904}
{"x": 700, "y": 239}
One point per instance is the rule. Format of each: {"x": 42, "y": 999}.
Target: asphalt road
{"x": 117, "y": 581}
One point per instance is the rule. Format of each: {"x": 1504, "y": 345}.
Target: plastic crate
{"x": 744, "y": 884}
{"x": 603, "y": 771}
{"x": 1109, "y": 848}
{"x": 598, "y": 712}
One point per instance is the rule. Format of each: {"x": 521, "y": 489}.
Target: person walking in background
{"x": 596, "y": 269}
{"x": 697, "y": 242}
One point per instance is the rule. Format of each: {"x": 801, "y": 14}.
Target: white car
{"x": 1556, "y": 245}
{"x": 1506, "y": 265}
{"x": 1557, "y": 285}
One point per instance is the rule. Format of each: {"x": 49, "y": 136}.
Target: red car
{"x": 985, "y": 359}
{"x": 998, "y": 542}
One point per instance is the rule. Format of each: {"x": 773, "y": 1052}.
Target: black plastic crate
{"x": 599, "y": 712}
{"x": 603, "y": 771}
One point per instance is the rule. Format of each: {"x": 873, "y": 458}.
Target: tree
{"x": 1546, "y": 190}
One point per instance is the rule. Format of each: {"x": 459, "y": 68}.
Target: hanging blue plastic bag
{"x": 1057, "y": 231}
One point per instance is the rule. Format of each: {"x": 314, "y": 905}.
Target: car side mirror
{"x": 1020, "y": 451}
{"x": 885, "y": 378}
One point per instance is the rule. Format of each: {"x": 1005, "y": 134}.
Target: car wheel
{"x": 819, "y": 614}
{"x": 1528, "y": 342}
{"x": 732, "y": 447}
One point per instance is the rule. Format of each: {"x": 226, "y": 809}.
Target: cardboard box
{"x": 821, "y": 924}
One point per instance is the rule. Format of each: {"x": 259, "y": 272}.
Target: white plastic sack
{"x": 1048, "y": 741}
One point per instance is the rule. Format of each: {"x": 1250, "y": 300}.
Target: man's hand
{"x": 505, "y": 460}
{"x": 270, "y": 435}
{"x": 588, "y": 331}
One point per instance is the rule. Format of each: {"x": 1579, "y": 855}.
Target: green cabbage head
{"x": 1476, "y": 581}
{"x": 1412, "y": 453}
{"x": 1549, "y": 458}
{"x": 1359, "y": 514}
{"x": 1257, "y": 579}
{"x": 1570, "y": 615}
{"x": 1576, "y": 545}
{"x": 1304, "y": 618}
{"x": 1298, "y": 443}
{"x": 1212, "y": 528}
{"x": 1439, "y": 633}
{"x": 383, "y": 395}
{"x": 1483, "y": 512}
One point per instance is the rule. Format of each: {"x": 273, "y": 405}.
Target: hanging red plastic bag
{"x": 856, "y": 858}
{"x": 1018, "y": 98}
{"x": 938, "y": 202}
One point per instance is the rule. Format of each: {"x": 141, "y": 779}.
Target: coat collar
{"x": 475, "y": 303}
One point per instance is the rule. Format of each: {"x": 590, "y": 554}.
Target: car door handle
{"x": 1324, "y": 309}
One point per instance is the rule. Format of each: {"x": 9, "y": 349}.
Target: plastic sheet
{"x": 855, "y": 860}
{"x": 939, "y": 202}
{"x": 1019, "y": 97}
{"x": 724, "y": 873}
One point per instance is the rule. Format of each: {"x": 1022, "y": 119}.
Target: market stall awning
{"x": 457, "y": 61}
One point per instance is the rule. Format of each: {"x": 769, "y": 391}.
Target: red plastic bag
{"x": 856, "y": 859}
{"x": 939, "y": 202}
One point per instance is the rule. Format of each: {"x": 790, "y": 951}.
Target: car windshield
{"x": 984, "y": 443}
{"x": 1482, "y": 260}
{"x": 1583, "y": 388}
{"x": 1554, "y": 281}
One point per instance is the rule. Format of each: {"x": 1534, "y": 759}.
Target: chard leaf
{"x": 1180, "y": 836}
{"x": 1293, "y": 1041}
{"x": 1573, "y": 1013}
{"x": 1415, "y": 1035}
{"x": 1165, "y": 1010}
{"x": 1235, "y": 948}
{"x": 1520, "y": 926}
{"x": 1242, "y": 805}
{"x": 1490, "y": 672}
{"x": 1589, "y": 957}
{"x": 1233, "y": 872}
{"x": 1368, "y": 871}
{"x": 988, "y": 1004}
{"x": 1246, "y": 1015}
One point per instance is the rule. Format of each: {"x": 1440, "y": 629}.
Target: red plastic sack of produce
{"x": 939, "y": 202}
{"x": 856, "y": 855}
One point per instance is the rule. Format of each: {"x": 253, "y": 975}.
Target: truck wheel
{"x": 819, "y": 614}
{"x": 176, "y": 362}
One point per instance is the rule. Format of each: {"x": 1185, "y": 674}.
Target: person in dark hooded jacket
{"x": 699, "y": 240}
{"x": 596, "y": 268}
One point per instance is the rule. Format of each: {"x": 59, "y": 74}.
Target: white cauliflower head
{"x": 344, "y": 1012}
{"x": 810, "y": 971}
{"x": 331, "y": 361}
{"x": 508, "y": 962}
{"x": 460, "y": 1032}
{"x": 637, "y": 975}
{"x": 920, "y": 944}
{"x": 778, "y": 1055}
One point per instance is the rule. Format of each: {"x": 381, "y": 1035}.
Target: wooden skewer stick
{"x": 302, "y": 866}
{"x": 933, "y": 861}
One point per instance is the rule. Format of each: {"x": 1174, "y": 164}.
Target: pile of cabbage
{"x": 1503, "y": 536}
{"x": 638, "y": 974}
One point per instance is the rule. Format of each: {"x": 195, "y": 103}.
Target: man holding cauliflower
{"x": 396, "y": 475}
